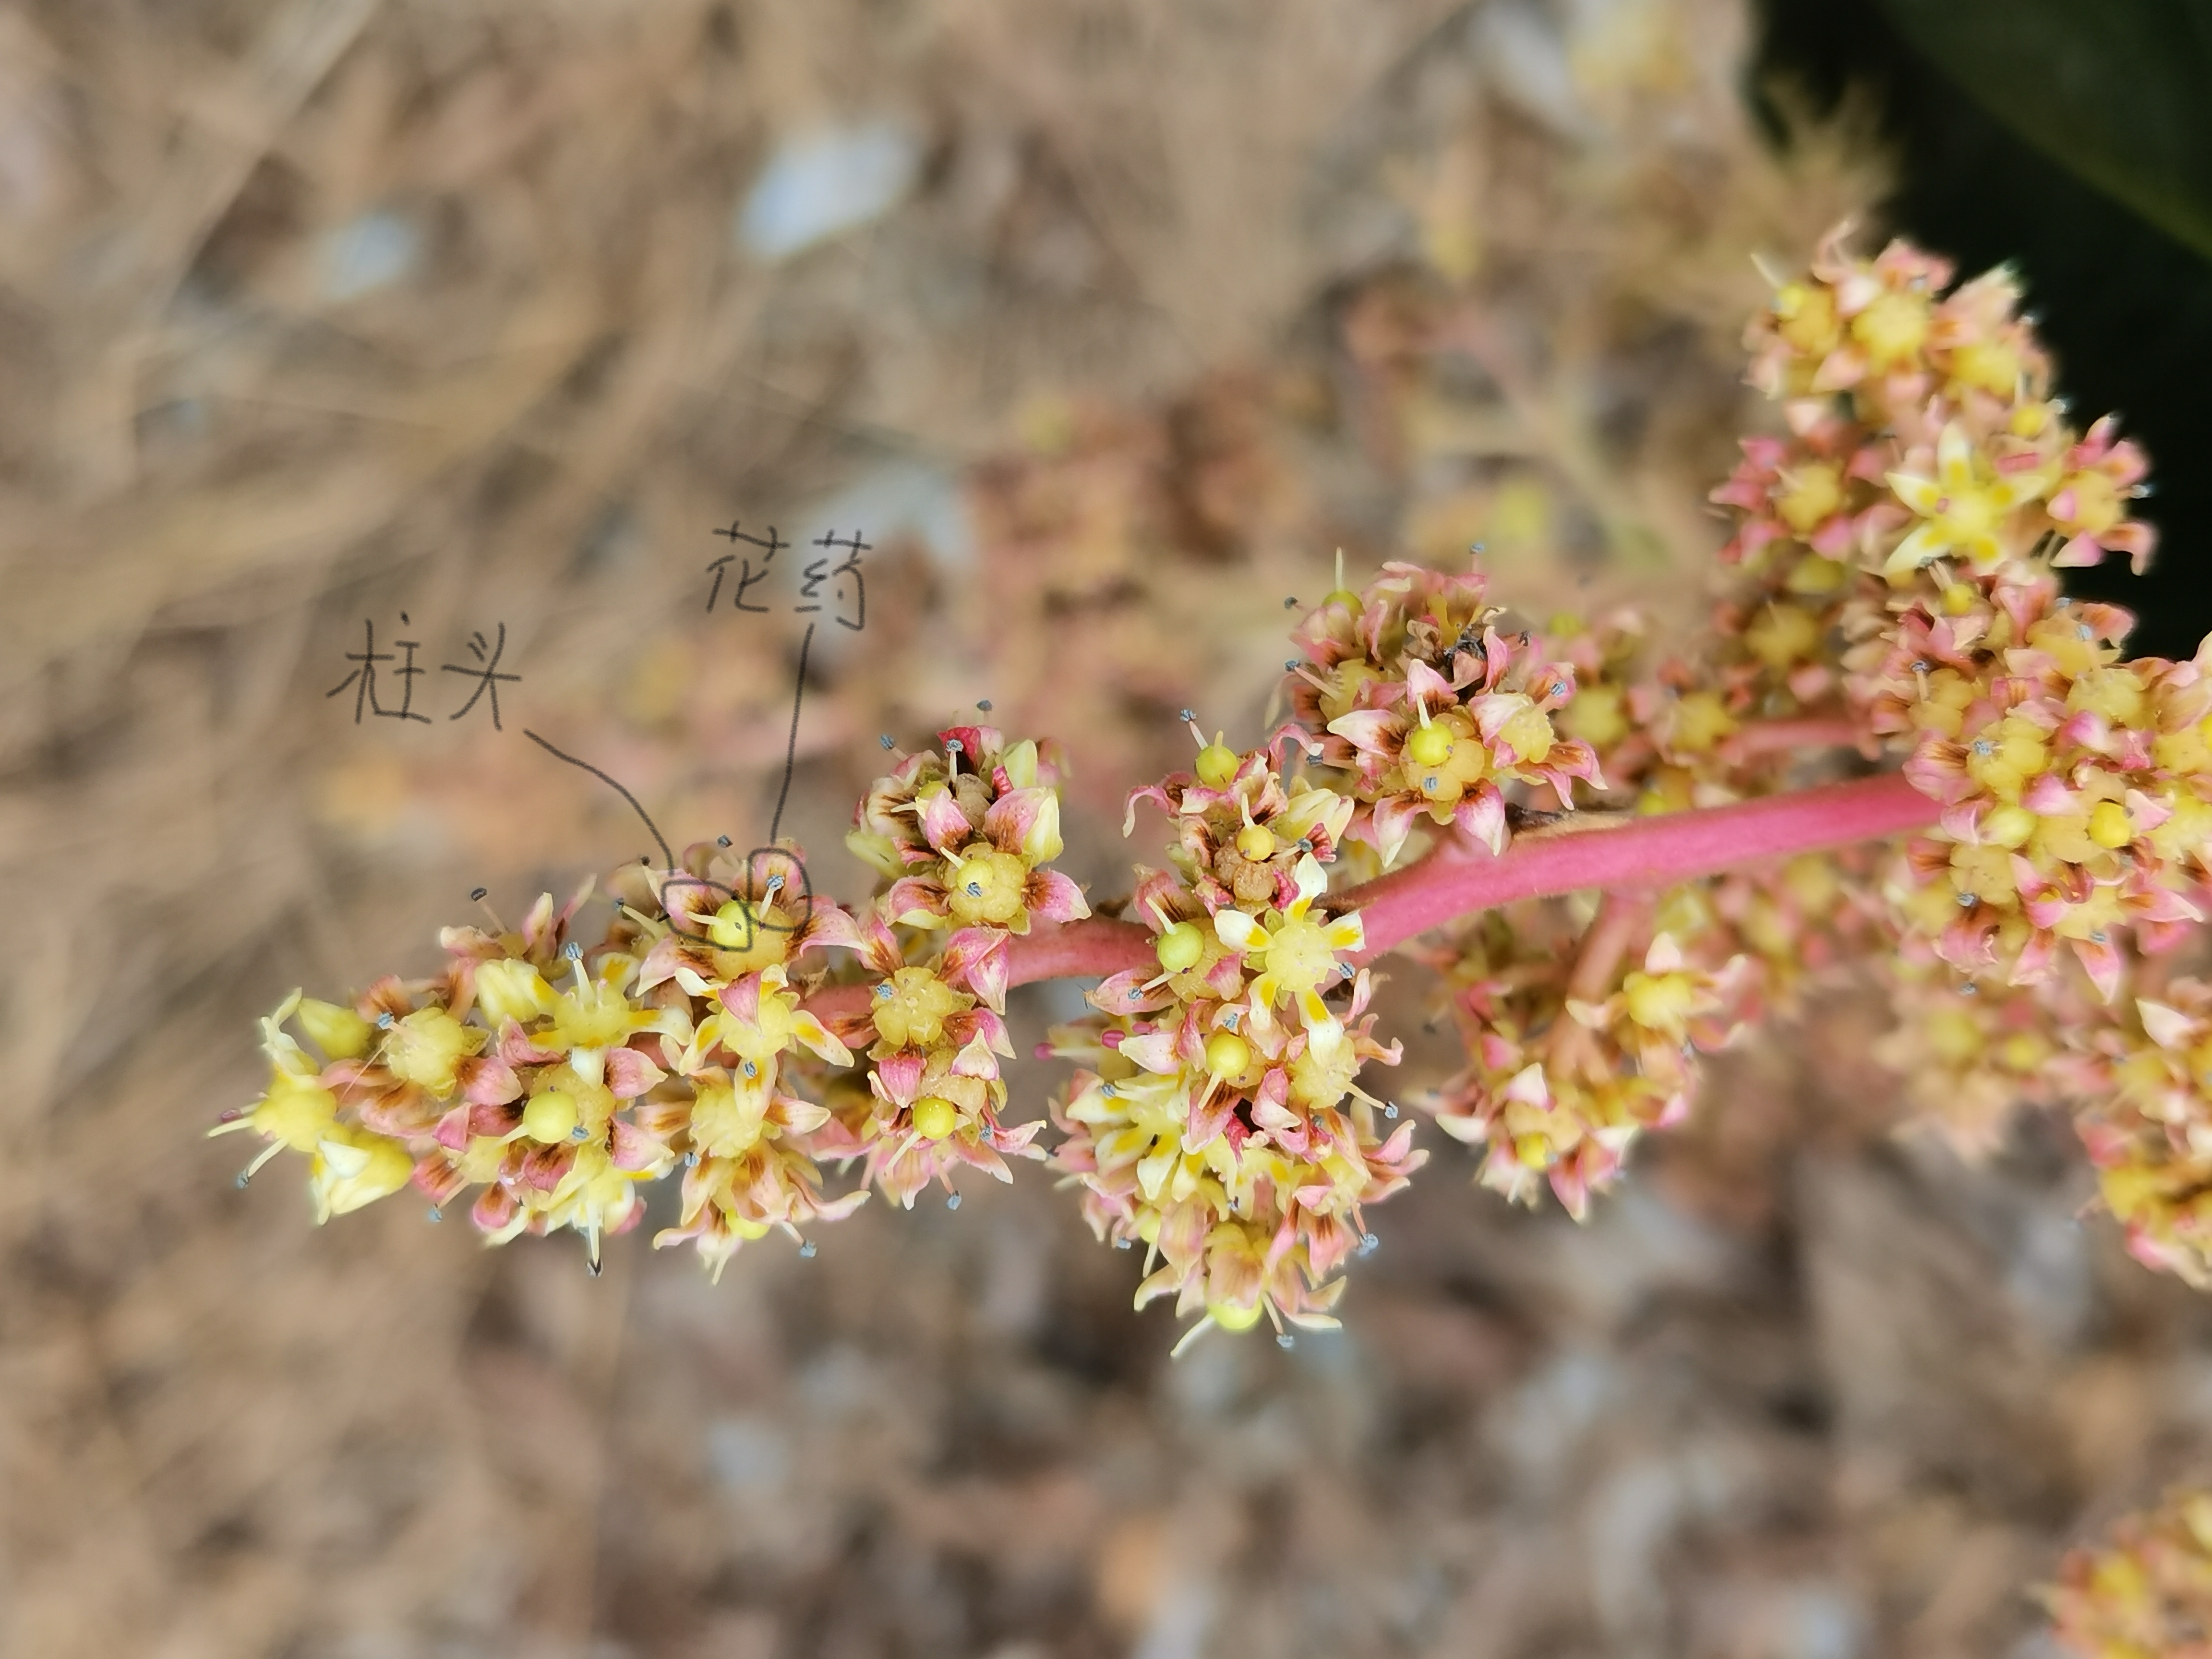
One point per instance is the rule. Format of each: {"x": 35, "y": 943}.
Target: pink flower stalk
{"x": 1616, "y": 860}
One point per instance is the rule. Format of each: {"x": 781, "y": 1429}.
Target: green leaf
{"x": 2118, "y": 92}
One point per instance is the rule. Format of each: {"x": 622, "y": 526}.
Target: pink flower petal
{"x": 630, "y": 1074}
{"x": 976, "y": 959}
{"x": 943, "y": 825}
{"x": 898, "y": 1079}
{"x": 1053, "y": 896}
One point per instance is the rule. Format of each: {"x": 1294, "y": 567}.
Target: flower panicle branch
{"x": 1895, "y": 748}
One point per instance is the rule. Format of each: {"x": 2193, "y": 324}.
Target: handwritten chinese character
{"x": 487, "y": 677}
{"x": 746, "y": 574}
{"x": 363, "y": 678}
{"x": 848, "y": 589}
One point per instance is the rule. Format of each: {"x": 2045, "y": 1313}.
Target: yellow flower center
{"x": 2004, "y": 760}
{"x": 1892, "y": 328}
{"x": 1967, "y": 515}
{"x": 2114, "y": 693}
{"x": 1528, "y": 730}
{"x": 1990, "y": 366}
{"x": 913, "y": 1016}
{"x": 339, "y": 1032}
{"x": 1230, "y": 1317}
{"x": 2061, "y": 638}
{"x": 1227, "y": 1054}
{"x": 1805, "y": 317}
{"x": 1429, "y": 746}
{"x": 354, "y": 1167}
{"x": 1659, "y": 1002}
{"x": 1345, "y": 686}
{"x": 1814, "y": 491}
{"x": 296, "y": 1111}
{"x": 2096, "y": 502}
{"x": 1701, "y": 720}
{"x": 1598, "y": 716}
{"x": 749, "y": 936}
{"x": 1984, "y": 874}
{"x": 1783, "y": 635}
{"x": 1816, "y": 575}
{"x": 987, "y": 887}
{"x": 935, "y": 1117}
{"x": 510, "y": 990}
{"x": 1298, "y": 956}
{"x": 2188, "y": 750}
{"x": 726, "y": 1121}
{"x": 1318, "y": 1084}
{"x": 1217, "y": 765}
{"x": 427, "y": 1046}
{"x": 1953, "y": 1036}
{"x": 551, "y": 1117}
{"x": 592, "y": 1015}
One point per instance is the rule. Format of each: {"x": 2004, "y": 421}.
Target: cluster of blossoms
{"x": 2147, "y": 1593}
{"x": 1574, "y": 1046}
{"x": 961, "y": 838}
{"x": 2146, "y": 1084}
{"x": 1969, "y": 1057}
{"x": 1412, "y": 689}
{"x": 1218, "y": 1118}
{"x": 1896, "y": 754}
{"x": 554, "y": 1080}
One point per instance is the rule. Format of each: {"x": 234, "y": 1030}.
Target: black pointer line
{"x": 667, "y": 858}
{"x": 790, "y": 746}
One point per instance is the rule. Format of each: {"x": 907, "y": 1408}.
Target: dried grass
{"x": 1149, "y": 328}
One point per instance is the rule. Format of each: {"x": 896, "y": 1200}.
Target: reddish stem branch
{"x": 1793, "y": 736}
{"x": 1647, "y": 853}
{"x": 1619, "y": 916}
{"x": 1643, "y": 853}
{"x": 1605, "y": 943}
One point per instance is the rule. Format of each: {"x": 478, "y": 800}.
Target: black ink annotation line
{"x": 775, "y": 872}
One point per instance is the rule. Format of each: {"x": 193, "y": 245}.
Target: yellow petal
{"x": 816, "y": 1035}
{"x": 1915, "y": 550}
{"x": 1919, "y": 493}
{"x": 1346, "y": 932}
{"x": 1954, "y": 459}
{"x": 1239, "y": 931}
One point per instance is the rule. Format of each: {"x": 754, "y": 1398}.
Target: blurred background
{"x": 1107, "y": 322}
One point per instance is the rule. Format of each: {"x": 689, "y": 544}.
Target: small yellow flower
{"x": 427, "y": 1047}
{"x": 913, "y": 1014}
{"x": 511, "y": 990}
{"x": 1297, "y": 958}
{"x": 1962, "y": 508}
{"x": 593, "y": 1013}
{"x": 774, "y": 1023}
{"x": 338, "y": 1030}
{"x": 728, "y": 1116}
{"x": 353, "y": 1167}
